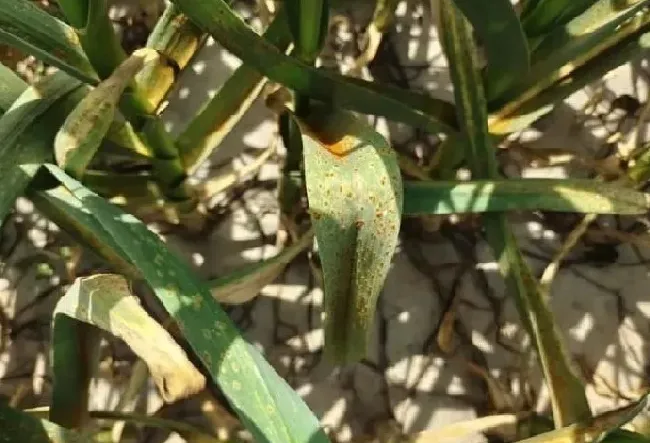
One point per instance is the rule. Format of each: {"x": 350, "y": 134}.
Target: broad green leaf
{"x": 571, "y": 195}
{"x": 244, "y": 284}
{"x": 84, "y": 129}
{"x": 497, "y": 25}
{"x": 220, "y": 21}
{"x": 542, "y": 16}
{"x": 218, "y": 116}
{"x": 596, "y": 429}
{"x": 625, "y": 436}
{"x": 26, "y": 133}
{"x": 25, "y": 26}
{"x": 355, "y": 201}
{"x": 18, "y": 426}
{"x": 177, "y": 39}
{"x": 11, "y": 86}
{"x": 95, "y": 32}
{"x": 105, "y": 302}
{"x": 208, "y": 330}
{"x": 308, "y": 22}
{"x": 566, "y": 390}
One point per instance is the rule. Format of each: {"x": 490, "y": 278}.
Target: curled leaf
{"x": 355, "y": 200}
{"x": 105, "y": 301}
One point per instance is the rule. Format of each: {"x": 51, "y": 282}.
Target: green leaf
{"x": 95, "y": 31}
{"x": 541, "y": 16}
{"x": 219, "y": 115}
{"x": 244, "y": 284}
{"x": 308, "y": 22}
{"x": 11, "y": 86}
{"x": 75, "y": 354}
{"x": 208, "y": 330}
{"x": 498, "y": 27}
{"x": 564, "y": 54}
{"x": 30, "y": 29}
{"x": 26, "y": 133}
{"x": 105, "y": 302}
{"x": 566, "y": 390}
{"x": 355, "y": 201}
{"x": 18, "y": 426}
{"x": 219, "y": 20}
{"x": 571, "y": 195}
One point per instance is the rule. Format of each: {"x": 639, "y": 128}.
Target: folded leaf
{"x": 105, "y": 302}
{"x": 571, "y": 195}
{"x": 355, "y": 201}
{"x": 242, "y": 285}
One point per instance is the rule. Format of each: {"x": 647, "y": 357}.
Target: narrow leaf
{"x": 95, "y": 32}
{"x": 308, "y": 21}
{"x": 219, "y": 115}
{"x": 23, "y": 139}
{"x": 451, "y": 197}
{"x": 355, "y": 201}
{"x": 546, "y": 15}
{"x": 75, "y": 354}
{"x": 18, "y": 426}
{"x": 105, "y": 302}
{"x": 244, "y": 284}
{"x": 25, "y": 26}
{"x": 567, "y": 392}
{"x": 497, "y": 25}
{"x": 221, "y": 22}
{"x": 209, "y": 331}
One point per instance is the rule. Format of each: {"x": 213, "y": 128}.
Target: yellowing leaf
{"x": 105, "y": 301}
{"x": 355, "y": 200}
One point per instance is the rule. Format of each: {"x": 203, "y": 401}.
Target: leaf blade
{"x": 585, "y": 196}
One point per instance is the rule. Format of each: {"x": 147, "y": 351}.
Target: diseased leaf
{"x": 219, "y": 115}
{"x": 26, "y": 132}
{"x": 223, "y": 24}
{"x": 571, "y": 195}
{"x": 105, "y": 302}
{"x": 498, "y": 27}
{"x": 244, "y": 284}
{"x": 177, "y": 39}
{"x": 25, "y": 26}
{"x": 208, "y": 330}
{"x": 17, "y": 426}
{"x": 566, "y": 389}
{"x": 84, "y": 129}
{"x": 354, "y": 189}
